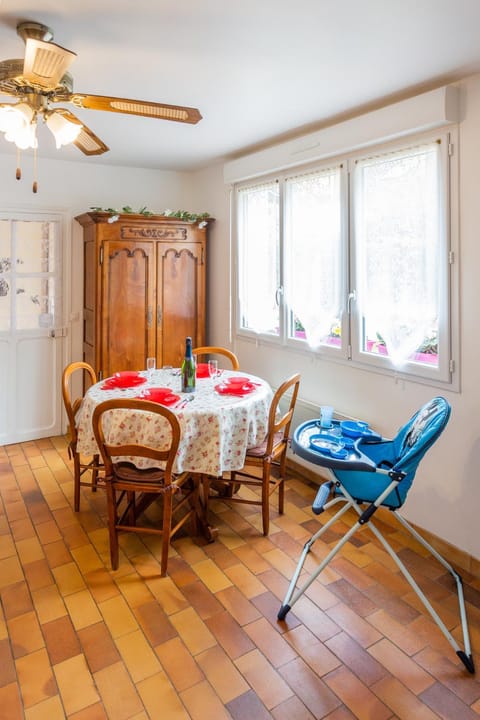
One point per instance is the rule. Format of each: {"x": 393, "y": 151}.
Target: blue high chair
{"x": 369, "y": 472}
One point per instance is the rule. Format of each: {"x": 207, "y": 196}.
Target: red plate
{"x": 202, "y": 370}
{"x": 123, "y": 380}
{"x": 236, "y": 389}
{"x": 164, "y": 396}
{"x": 236, "y": 380}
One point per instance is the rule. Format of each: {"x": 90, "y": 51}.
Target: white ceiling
{"x": 258, "y": 70}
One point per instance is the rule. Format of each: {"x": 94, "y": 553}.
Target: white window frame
{"x": 447, "y": 372}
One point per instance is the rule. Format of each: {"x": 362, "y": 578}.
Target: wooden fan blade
{"x": 146, "y": 108}
{"x": 46, "y": 63}
{"x": 10, "y": 75}
{"x": 87, "y": 141}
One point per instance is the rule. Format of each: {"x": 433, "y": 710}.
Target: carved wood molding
{"x": 131, "y": 232}
{"x": 130, "y": 252}
{"x": 177, "y": 254}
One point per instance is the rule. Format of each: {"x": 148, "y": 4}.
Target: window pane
{"x": 34, "y": 303}
{"x": 313, "y": 246}
{"x": 29, "y": 295}
{"x": 399, "y": 239}
{"x": 5, "y": 306}
{"x": 259, "y": 271}
{"x": 5, "y": 277}
{"x": 5, "y": 250}
{"x": 35, "y": 246}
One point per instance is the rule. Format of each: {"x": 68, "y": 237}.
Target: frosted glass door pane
{"x": 5, "y": 307}
{"x": 34, "y": 303}
{"x": 5, "y": 279}
{"x": 35, "y": 246}
{"x": 5, "y": 251}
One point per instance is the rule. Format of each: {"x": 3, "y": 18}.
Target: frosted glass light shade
{"x": 18, "y": 124}
{"x": 24, "y": 137}
{"x": 63, "y": 130}
{"x": 15, "y": 117}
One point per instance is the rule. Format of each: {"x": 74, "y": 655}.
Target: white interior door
{"x": 30, "y": 326}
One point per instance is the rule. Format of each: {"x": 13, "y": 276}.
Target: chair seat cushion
{"x": 128, "y": 472}
{"x": 260, "y": 450}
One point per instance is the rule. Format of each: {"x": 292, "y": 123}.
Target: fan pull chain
{"x": 18, "y": 173}
{"x": 35, "y": 183}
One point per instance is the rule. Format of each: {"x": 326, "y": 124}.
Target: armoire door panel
{"x": 179, "y": 275}
{"x": 128, "y": 299}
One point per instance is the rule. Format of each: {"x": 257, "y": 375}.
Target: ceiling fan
{"x": 40, "y": 81}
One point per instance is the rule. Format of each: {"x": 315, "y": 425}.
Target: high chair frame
{"x": 434, "y": 417}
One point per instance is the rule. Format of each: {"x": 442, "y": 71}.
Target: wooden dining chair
{"x": 214, "y": 350}
{"x": 130, "y": 489}
{"x": 87, "y": 374}
{"x": 271, "y": 454}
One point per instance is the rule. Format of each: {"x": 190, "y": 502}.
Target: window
{"x": 314, "y": 283}
{"x": 352, "y": 259}
{"x": 259, "y": 276}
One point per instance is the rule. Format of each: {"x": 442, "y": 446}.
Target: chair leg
{"x": 112, "y": 522}
{"x": 196, "y": 509}
{"x": 208, "y": 530}
{"x": 167, "y": 529}
{"x": 76, "y": 481}
{"x": 132, "y": 519}
{"x": 281, "y": 488}
{"x": 266, "y": 497}
{"x": 464, "y": 655}
{"x": 95, "y": 473}
{"x": 291, "y": 597}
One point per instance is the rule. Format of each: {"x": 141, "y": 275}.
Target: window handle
{"x": 352, "y": 296}
{"x": 278, "y": 294}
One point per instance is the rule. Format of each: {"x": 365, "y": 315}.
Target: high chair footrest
{"x": 321, "y": 497}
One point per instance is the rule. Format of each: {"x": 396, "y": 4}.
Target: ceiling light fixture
{"x": 19, "y": 123}
{"x": 64, "y": 131}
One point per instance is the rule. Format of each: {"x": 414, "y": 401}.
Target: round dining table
{"x": 217, "y": 426}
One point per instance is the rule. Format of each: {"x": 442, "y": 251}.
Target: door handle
{"x": 149, "y": 317}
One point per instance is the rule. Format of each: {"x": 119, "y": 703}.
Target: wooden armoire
{"x": 144, "y": 289}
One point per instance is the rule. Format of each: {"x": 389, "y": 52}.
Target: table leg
{"x": 209, "y": 531}
{"x": 224, "y": 486}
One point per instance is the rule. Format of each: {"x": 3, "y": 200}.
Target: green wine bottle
{"x": 188, "y": 368}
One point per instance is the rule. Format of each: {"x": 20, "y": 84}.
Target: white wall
{"x": 445, "y": 498}
{"x": 75, "y": 186}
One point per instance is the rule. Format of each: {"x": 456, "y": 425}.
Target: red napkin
{"x": 164, "y": 396}
{"x": 124, "y": 379}
{"x": 202, "y": 370}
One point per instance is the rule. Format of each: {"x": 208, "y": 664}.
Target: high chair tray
{"x": 332, "y": 450}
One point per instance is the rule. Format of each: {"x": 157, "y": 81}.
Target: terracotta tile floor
{"x": 79, "y": 641}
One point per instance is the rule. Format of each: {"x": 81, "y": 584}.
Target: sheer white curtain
{"x": 398, "y": 232}
{"x": 258, "y": 233}
{"x": 314, "y": 251}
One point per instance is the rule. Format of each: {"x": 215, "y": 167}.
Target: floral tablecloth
{"x": 216, "y": 429}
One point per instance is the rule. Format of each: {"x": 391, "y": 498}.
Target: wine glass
{"x": 213, "y": 369}
{"x": 151, "y": 365}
